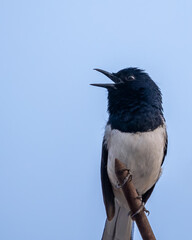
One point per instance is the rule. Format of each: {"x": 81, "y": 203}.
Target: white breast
{"x": 141, "y": 152}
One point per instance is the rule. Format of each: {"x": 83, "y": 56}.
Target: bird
{"x": 135, "y": 134}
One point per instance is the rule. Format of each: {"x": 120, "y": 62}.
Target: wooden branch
{"x": 134, "y": 202}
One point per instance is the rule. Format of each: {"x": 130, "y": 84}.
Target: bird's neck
{"x": 136, "y": 118}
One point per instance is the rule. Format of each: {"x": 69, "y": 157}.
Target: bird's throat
{"x": 138, "y": 121}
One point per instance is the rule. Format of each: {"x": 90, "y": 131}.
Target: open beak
{"x": 109, "y": 75}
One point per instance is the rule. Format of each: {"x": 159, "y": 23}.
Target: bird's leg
{"x": 128, "y": 178}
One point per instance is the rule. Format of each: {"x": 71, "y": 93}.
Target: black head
{"x": 133, "y": 94}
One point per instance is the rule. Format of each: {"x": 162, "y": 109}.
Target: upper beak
{"x": 109, "y": 75}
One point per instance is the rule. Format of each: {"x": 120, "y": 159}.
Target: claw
{"x": 147, "y": 211}
{"x": 141, "y": 208}
{"x": 139, "y": 198}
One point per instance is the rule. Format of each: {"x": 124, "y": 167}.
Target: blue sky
{"x": 52, "y": 121}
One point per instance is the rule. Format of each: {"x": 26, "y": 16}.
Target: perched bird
{"x": 136, "y": 135}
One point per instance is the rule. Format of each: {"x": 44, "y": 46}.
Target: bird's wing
{"x": 146, "y": 195}
{"x": 165, "y": 147}
{"x": 108, "y": 195}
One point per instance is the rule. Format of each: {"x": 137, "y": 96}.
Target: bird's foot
{"x": 139, "y": 197}
{"x": 127, "y": 179}
{"x": 141, "y": 208}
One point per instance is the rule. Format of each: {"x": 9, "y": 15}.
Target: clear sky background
{"x": 52, "y": 121}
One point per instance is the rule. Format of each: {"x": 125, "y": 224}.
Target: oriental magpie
{"x": 136, "y": 135}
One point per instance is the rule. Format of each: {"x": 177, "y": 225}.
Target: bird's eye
{"x": 130, "y": 78}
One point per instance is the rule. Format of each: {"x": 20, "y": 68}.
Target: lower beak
{"x": 104, "y": 85}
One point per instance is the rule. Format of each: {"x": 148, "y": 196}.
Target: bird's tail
{"x": 120, "y": 227}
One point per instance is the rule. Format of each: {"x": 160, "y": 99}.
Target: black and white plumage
{"x": 136, "y": 135}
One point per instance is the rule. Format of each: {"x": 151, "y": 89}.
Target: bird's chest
{"x": 142, "y": 153}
